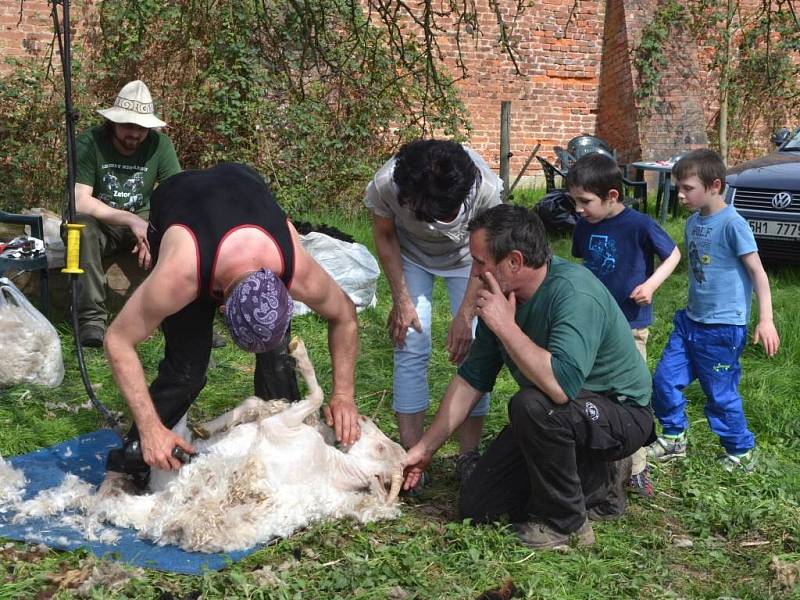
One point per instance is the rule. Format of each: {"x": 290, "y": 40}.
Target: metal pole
{"x": 505, "y": 145}
{"x": 524, "y": 167}
{"x": 73, "y": 239}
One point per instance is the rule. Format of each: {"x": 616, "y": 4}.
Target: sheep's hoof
{"x": 294, "y": 343}
{"x": 199, "y": 432}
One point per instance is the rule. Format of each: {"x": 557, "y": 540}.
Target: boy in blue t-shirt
{"x": 619, "y": 245}
{"x": 710, "y": 334}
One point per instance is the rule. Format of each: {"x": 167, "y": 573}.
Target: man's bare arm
{"x": 164, "y": 292}
{"x": 86, "y": 203}
{"x": 456, "y": 404}
{"x": 403, "y": 313}
{"x": 313, "y": 286}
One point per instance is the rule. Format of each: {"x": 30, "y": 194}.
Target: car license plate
{"x": 775, "y": 229}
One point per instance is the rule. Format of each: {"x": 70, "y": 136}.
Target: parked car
{"x": 766, "y": 192}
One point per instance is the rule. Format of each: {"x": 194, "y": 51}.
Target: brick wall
{"x": 687, "y": 105}
{"x": 678, "y": 119}
{"x": 26, "y": 29}
{"x": 559, "y": 54}
{"x": 617, "y": 121}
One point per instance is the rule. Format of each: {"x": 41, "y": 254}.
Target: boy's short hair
{"x": 705, "y": 164}
{"x": 597, "y": 174}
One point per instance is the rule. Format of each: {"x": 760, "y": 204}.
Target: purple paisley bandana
{"x": 258, "y": 311}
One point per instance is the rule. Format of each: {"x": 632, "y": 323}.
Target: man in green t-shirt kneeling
{"x": 119, "y": 164}
{"x": 584, "y": 401}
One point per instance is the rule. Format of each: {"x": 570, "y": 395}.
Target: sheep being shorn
{"x": 261, "y": 475}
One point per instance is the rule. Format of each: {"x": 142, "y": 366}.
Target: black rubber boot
{"x": 129, "y": 460}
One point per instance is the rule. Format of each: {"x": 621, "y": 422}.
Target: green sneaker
{"x": 745, "y": 462}
{"x": 667, "y": 447}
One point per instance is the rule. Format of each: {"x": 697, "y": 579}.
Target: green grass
{"x": 736, "y": 524}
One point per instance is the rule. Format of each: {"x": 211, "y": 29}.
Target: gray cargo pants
{"x": 98, "y": 241}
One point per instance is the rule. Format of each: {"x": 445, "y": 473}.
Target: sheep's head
{"x": 380, "y": 457}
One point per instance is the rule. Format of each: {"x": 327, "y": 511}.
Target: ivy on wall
{"x": 650, "y": 56}
{"x": 753, "y": 54}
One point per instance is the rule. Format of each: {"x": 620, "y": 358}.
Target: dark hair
{"x": 706, "y": 164}
{"x": 513, "y": 228}
{"x": 595, "y": 173}
{"x": 433, "y": 178}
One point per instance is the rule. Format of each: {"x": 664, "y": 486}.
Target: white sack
{"x": 31, "y": 346}
{"x": 350, "y": 264}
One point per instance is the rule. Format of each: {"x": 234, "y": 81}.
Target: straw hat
{"x": 133, "y": 105}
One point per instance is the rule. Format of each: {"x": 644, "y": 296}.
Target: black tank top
{"x": 211, "y": 204}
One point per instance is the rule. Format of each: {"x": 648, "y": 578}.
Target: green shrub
{"x": 306, "y": 91}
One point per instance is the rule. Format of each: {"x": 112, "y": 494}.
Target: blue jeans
{"x": 411, "y": 394}
{"x": 710, "y": 354}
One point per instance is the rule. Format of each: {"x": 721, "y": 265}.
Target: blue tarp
{"x": 85, "y": 456}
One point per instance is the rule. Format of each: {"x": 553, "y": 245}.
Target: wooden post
{"x": 505, "y": 145}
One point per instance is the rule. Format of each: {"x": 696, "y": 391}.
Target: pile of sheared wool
{"x": 228, "y": 498}
{"x": 266, "y": 470}
{"x": 12, "y": 485}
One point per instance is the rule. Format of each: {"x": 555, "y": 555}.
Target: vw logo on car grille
{"x": 781, "y": 200}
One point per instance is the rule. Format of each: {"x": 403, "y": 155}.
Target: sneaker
{"x": 542, "y": 537}
{"x": 666, "y": 448}
{"x": 91, "y": 336}
{"x": 641, "y": 484}
{"x": 417, "y": 490}
{"x": 465, "y": 464}
{"x": 217, "y": 341}
{"x": 745, "y": 462}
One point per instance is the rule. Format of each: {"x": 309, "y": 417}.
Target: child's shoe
{"x": 641, "y": 484}
{"x": 667, "y": 447}
{"x": 745, "y": 462}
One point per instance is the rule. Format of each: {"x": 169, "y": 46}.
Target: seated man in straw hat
{"x": 119, "y": 164}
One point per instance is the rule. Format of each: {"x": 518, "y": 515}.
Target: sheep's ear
{"x": 368, "y": 425}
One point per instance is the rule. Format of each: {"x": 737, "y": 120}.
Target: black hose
{"x": 66, "y": 65}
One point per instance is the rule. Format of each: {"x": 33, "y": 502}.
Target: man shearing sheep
{"x": 217, "y": 236}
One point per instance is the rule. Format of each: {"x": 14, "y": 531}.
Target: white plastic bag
{"x": 350, "y": 264}
{"x": 30, "y": 344}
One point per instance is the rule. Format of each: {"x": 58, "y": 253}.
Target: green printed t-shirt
{"x": 124, "y": 182}
{"x": 574, "y": 317}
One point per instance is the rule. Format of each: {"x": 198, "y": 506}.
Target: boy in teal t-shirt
{"x": 710, "y": 334}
